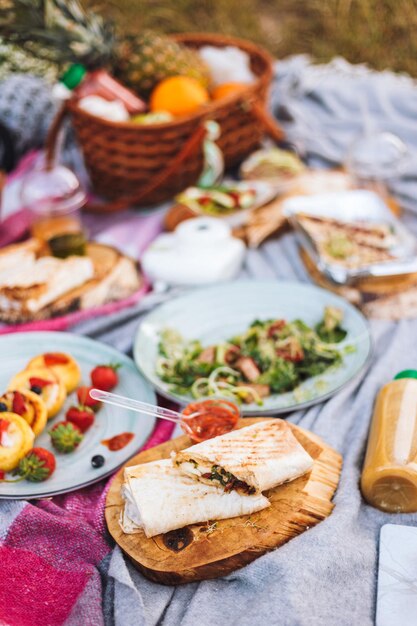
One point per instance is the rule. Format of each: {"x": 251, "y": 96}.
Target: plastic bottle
{"x": 389, "y": 475}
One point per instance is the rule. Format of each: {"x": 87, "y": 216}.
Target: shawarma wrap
{"x": 249, "y": 460}
{"x": 158, "y": 498}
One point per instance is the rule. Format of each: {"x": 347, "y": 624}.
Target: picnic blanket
{"x": 59, "y": 565}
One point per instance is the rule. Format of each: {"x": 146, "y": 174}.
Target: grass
{"x": 378, "y": 32}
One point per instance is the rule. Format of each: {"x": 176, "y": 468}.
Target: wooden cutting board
{"x": 214, "y": 549}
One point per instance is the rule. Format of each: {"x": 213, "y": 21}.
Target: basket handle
{"x": 269, "y": 123}
{"x": 189, "y": 148}
{"x": 53, "y": 133}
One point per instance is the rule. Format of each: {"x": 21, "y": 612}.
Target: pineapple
{"x": 145, "y": 60}
{"x": 62, "y": 31}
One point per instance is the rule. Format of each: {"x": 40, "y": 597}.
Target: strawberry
{"x": 38, "y": 465}
{"x": 4, "y": 425}
{"x": 105, "y": 377}
{"x": 39, "y": 382}
{"x": 65, "y": 437}
{"x": 18, "y": 405}
{"x": 81, "y": 416}
{"x": 54, "y": 358}
{"x": 84, "y": 398}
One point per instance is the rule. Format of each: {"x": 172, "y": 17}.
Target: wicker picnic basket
{"x": 138, "y": 165}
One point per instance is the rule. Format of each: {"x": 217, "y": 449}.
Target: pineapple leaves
{"x": 58, "y": 30}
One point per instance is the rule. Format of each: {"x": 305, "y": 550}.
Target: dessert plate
{"x": 75, "y": 470}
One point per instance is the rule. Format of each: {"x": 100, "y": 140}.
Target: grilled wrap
{"x": 249, "y": 460}
{"x": 158, "y": 498}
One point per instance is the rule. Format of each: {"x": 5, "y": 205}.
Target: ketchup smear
{"x": 216, "y": 417}
{"x": 118, "y": 441}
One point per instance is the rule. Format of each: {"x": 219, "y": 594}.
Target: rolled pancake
{"x": 158, "y": 498}
{"x": 249, "y": 460}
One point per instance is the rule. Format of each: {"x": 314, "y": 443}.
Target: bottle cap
{"x": 73, "y": 76}
{"x": 406, "y": 374}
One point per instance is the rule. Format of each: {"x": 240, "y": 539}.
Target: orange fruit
{"x": 178, "y": 95}
{"x": 221, "y": 91}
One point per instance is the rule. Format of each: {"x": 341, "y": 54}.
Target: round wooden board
{"x": 210, "y": 550}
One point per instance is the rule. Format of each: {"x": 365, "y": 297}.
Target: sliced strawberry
{"x": 19, "y": 405}
{"x": 4, "y": 425}
{"x": 84, "y": 398}
{"x": 39, "y": 382}
{"x": 80, "y": 416}
{"x": 55, "y": 358}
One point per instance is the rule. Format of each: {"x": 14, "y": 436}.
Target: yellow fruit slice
{"x": 178, "y": 95}
{"x": 68, "y": 370}
{"x": 53, "y": 393}
{"x": 16, "y": 439}
{"x": 33, "y": 410}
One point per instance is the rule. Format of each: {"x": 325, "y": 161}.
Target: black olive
{"x": 98, "y": 461}
{"x": 36, "y": 389}
{"x": 3, "y": 407}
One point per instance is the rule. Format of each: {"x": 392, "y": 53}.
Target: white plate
{"x": 74, "y": 470}
{"x": 216, "y": 313}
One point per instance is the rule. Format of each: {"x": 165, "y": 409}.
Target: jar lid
{"x": 406, "y": 374}
{"x": 202, "y": 231}
{"x": 73, "y": 76}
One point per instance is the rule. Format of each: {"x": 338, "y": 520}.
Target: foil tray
{"x": 352, "y": 207}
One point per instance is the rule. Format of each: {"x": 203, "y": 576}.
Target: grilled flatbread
{"x": 364, "y": 233}
{"x": 352, "y": 244}
{"x": 158, "y": 498}
{"x": 249, "y": 460}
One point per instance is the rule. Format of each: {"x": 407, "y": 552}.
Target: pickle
{"x": 70, "y": 244}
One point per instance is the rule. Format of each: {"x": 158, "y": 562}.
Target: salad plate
{"x": 231, "y": 201}
{"x": 75, "y": 470}
{"x": 220, "y": 315}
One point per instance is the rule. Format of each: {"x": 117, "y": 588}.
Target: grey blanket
{"x": 327, "y": 576}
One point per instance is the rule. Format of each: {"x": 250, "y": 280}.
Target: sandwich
{"x": 33, "y": 283}
{"x": 159, "y": 498}
{"x": 249, "y": 460}
{"x": 36, "y": 287}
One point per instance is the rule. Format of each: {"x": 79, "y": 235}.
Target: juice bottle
{"x": 389, "y": 475}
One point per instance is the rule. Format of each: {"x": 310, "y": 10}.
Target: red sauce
{"x": 216, "y": 417}
{"x": 118, "y": 441}
{"x": 55, "y": 358}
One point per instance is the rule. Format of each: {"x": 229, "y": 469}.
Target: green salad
{"x": 271, "y": 356}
